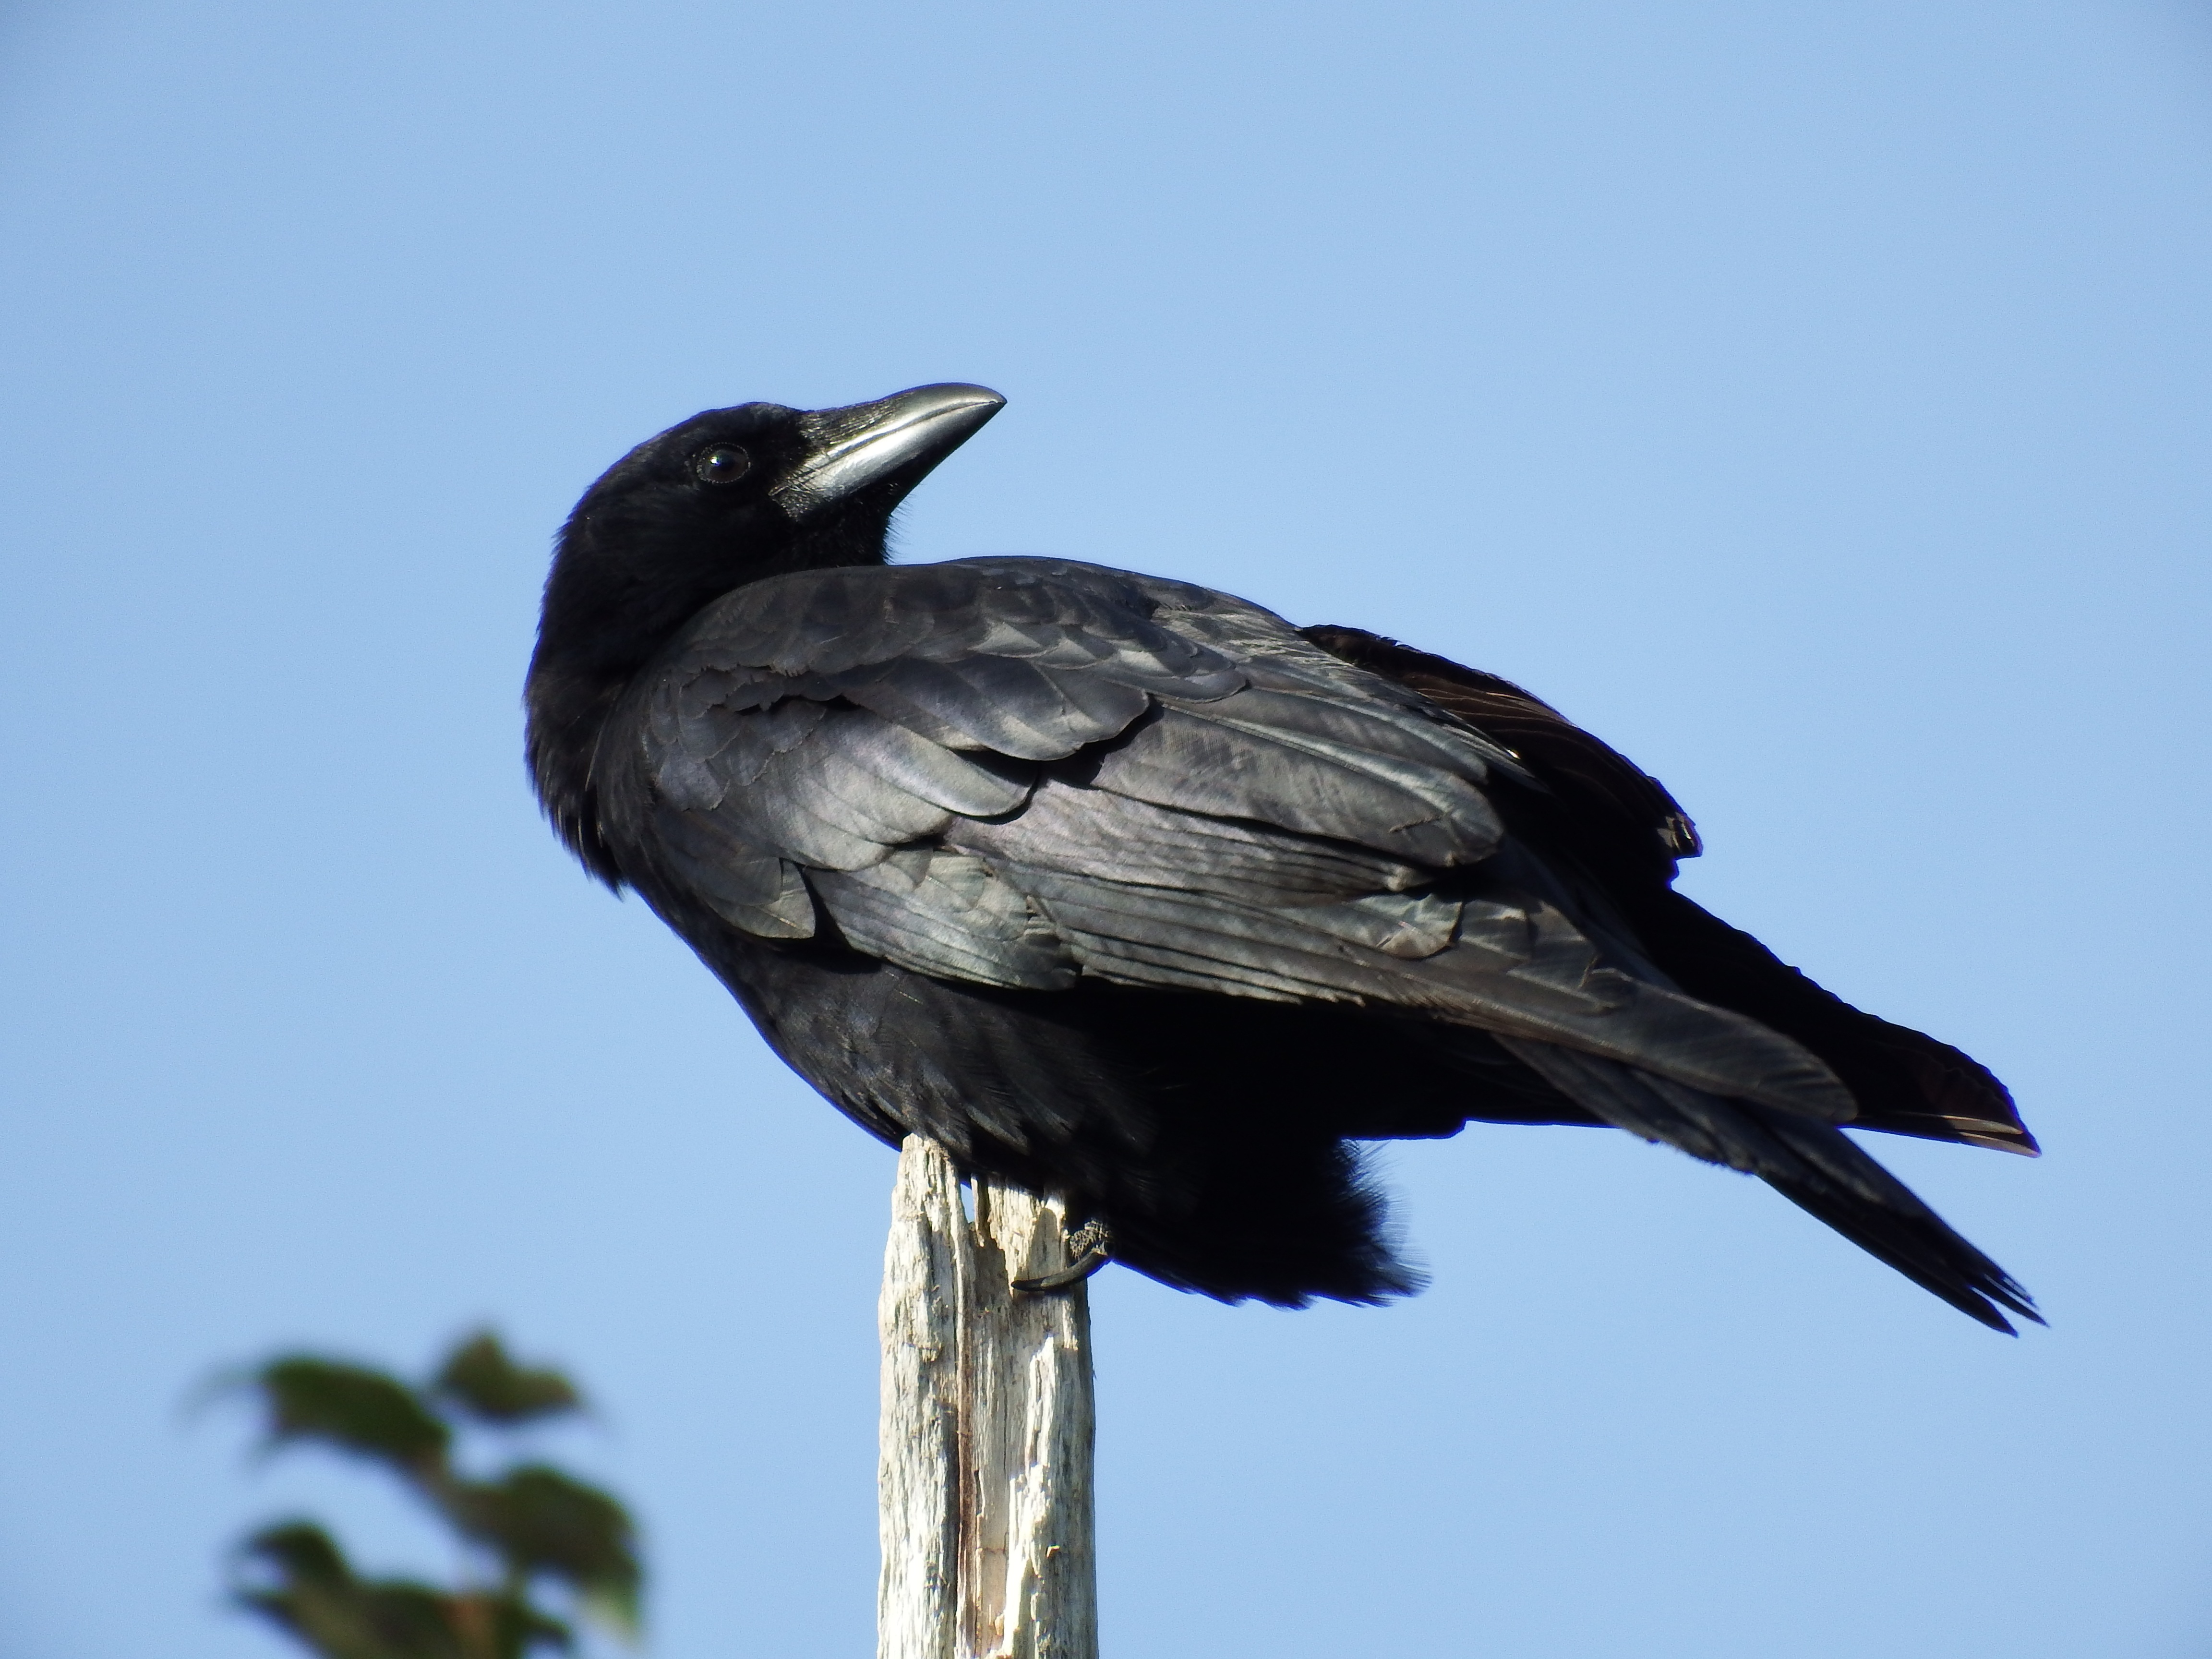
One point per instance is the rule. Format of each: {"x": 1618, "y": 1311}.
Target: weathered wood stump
{"x": 987, "y": 1428}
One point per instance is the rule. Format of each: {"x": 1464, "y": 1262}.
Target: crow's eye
{"x": 723, "y": 463}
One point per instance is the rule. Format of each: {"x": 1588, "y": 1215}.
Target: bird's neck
{"x": 568, "y": 703}
{"x": 606, "y": 620}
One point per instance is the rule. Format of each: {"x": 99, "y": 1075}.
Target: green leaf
{"x": 505, "y": 1625}
{"x": 302, "y": 1551}
{"x": 368, "y": 1412}
{"x": 295, "y": 1576}
{"x": 482, "y": 1380}
{"x": 542, "y": 1523}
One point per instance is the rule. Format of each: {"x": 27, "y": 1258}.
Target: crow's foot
{"x": 1090, "y": 1247}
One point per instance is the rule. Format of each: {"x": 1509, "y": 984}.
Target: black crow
{"x": 1131, "y": 892}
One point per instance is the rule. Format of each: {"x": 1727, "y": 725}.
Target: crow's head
{"x": 724, "y": 499}
{"x": 729, "y": 497}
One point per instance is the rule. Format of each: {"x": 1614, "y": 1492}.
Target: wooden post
{"x": 984, "y": 1472}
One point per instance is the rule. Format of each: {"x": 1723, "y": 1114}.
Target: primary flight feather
{"x": 1131, "y": 892}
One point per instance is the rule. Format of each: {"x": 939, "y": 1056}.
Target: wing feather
{"x": 1015, "y": 772}
{"x": 756, "y": 892}
{"x": 944, "y": 913}
{"x": 1231, "y": 760}
{"x": 1120, "y": 838}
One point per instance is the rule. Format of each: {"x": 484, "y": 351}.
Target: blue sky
{"x": 1810, "y": 399}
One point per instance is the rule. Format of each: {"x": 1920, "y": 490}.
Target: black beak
{"x": 892, "y": 442}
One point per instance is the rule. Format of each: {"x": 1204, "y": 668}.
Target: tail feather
{"x": 1906, "y": 1082}
{"x": 1814, "y": 1164}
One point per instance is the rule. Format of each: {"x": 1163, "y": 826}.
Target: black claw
{"x": 1092, "y": 1246}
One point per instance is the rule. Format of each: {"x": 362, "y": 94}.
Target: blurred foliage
{"x": 525, "y": 1529}
{"x": 296, "y": 1576}
{"x": 353, "y": 1409}
{"x": 479, "y": 1378}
